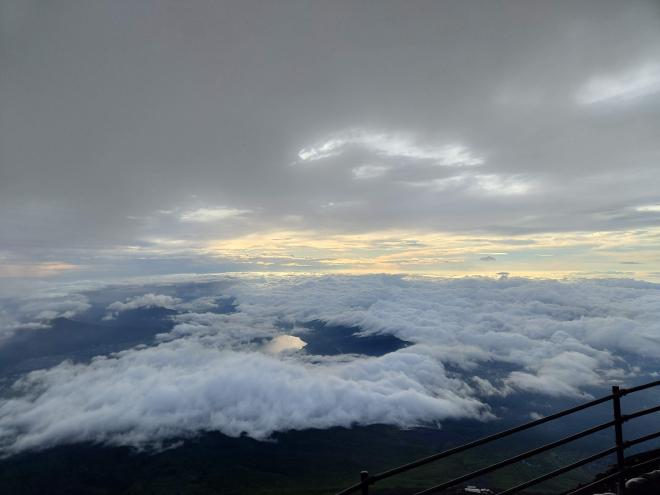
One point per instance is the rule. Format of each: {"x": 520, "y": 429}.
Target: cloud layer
{"x": 471, "y": 340}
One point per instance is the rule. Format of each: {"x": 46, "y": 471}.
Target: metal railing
{"x": 619, "y": 448}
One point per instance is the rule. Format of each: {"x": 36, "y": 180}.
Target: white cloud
{"x": 396, "y": 145}
{"x": 499, "y": 184}
{"x": 562, "y": 375}
{"x": 620, "y": 88}
{"x": 533, "y": 325}
{"x": 145, "y": 301}
{"x": 207, "y": 215}
{"x": 649, "y": 208}
{"x": 229, "y": 373}
{"x": 369, "y": 171}
{"x": 37, "y": 309}
{"x": 177, "y": 389}
{"x": 151, "y": 300}
{"x": 482, "y": 184}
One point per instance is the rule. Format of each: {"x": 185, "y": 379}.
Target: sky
{"x": 439, "y": 137}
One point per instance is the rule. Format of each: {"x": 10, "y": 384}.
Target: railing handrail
{"x": 366, "y": 480}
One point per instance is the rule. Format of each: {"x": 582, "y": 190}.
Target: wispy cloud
{"x": 624, "y": 87}
{"x": 369, "y": 171}
{"x": 391, "y": 145}
{"x": 487, "y": 184}
{"x": 649, "y": 208}
{"x": 207, "y": 215}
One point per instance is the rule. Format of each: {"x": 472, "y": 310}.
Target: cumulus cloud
{"x": 180, "y": 388}
{"x": 145, "y": 301}
{"x": 563, "y": 374}
{"x": 541, "y": 327}
{"x": 249, "y": 372}
{"x": 151, "y": 300}
{"x": 37, "y": 309}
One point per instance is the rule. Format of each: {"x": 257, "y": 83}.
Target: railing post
{"x": 618, "y": 431}
{"x": 364, "y": 476}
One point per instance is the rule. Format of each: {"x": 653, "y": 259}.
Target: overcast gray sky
{"x": 319, "y": 135}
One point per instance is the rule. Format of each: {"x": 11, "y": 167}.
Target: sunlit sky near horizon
{"x": 428, "y": 137}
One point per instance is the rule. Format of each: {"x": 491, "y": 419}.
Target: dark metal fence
{"x": 619, "y": 448}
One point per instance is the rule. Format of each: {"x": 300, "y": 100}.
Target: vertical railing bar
{"x": 618, "y": 432}
{"x": 364, "y": 479}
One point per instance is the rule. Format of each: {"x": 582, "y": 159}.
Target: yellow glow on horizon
{"x": 560, "y": 254}
{"x": 36, "y": 270}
